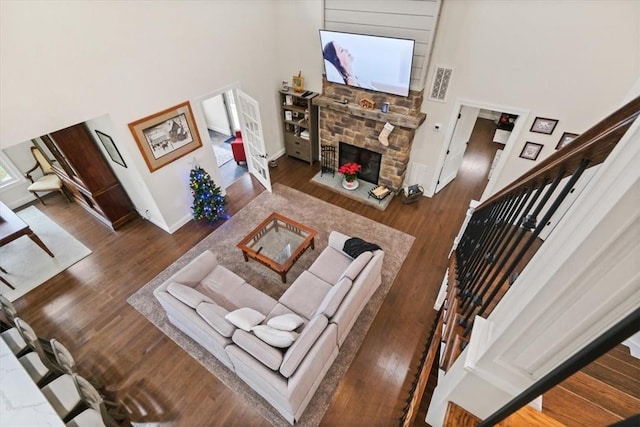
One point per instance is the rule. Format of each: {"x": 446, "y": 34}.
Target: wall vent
{"x": 441, "y": 80}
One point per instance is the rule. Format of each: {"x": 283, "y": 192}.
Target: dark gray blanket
{"x": 355, "y": 246}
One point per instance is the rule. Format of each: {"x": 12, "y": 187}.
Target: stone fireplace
{"x": 347, "y": 123}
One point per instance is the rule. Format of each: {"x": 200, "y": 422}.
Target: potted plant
{"x": 349, "y": 173}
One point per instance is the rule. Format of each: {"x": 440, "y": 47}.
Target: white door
{"x": 457, "y": 146}
{"x": 254, "y": 147}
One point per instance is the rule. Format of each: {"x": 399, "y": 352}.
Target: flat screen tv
{"x": 376, "y": 63}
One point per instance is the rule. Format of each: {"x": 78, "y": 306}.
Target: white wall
{"x": 567, "y": 60}
{"x": 63, "y": 63}
{"x": 298, "y": 46}
{"x": 215, "y": 114}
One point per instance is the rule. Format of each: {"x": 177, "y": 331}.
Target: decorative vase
{"x": 350, "y": 185}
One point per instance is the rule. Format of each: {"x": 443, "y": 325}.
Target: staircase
{"x": 497, "y": 241}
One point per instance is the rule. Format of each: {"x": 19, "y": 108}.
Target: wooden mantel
{"x": 402, "y": 120}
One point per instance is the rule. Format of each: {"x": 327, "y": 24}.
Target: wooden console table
{"x": 13, "y": 227}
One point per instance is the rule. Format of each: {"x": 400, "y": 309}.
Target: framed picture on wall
{"x": 565, "y": 139}
{"x": 542, "y": 125}
{"x": 111, "y": 148}
{"x": 166, "y": 136}
{"x": 531, "y": 150}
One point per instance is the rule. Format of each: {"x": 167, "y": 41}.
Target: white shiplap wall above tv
{"x": 409, "y": 19}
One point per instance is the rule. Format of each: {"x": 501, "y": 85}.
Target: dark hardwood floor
{"x": 85, "y": 307}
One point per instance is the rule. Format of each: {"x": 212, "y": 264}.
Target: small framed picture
{"x": 111, "y": 148}
{"x": 288, "y": 116}
{"x": 288, "y": 100}
{"x": 565, "y": 139}
{"x": 531, "y": 150}
{"x": 542, "y": 125}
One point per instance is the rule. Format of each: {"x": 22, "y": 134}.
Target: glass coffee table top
{"x": 277, "y": 243}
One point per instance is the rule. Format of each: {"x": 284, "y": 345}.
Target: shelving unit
{"x": 300, "y": 125}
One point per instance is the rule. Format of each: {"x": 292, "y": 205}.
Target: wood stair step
{"x": 575, "y": 411}
{"x": 607, "y": 375}
{"x": 457, "y": 416}
{"x": 602, "y": 394}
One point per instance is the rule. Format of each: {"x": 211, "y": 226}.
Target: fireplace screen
{"x": 369, "y": 160}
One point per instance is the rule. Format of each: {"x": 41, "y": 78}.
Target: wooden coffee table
{"x": 278, "y": 242}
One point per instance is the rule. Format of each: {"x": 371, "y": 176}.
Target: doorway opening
{"x": 491, "y": 129}
{"x": 223, "y": 127}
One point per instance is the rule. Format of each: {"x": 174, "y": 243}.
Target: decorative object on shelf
{"x": 542, "y": 125}
{"x": 565, "y": 139}
{"x": 412, "y": 193}
{"x": 531, "y": 150}
{"x": 384, "y": 134}
{"x": 288, "y": 115}
{"x": 208, "y": 202}
{"x": 285, "y": 85}
{"x": 111, "y": 148}
{"x": 349, "y": 173}
{"x": 166, "y": 136}
{"x": 298, "y": 82}
{"x": 288, "y": 100}
{"x": 367, "y": 104}
{"x": 384, "y": 107}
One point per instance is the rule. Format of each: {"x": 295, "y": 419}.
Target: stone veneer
{"x": 336, "y": 125}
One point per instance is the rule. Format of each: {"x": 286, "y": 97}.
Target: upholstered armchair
{"x": 49, "y": 180}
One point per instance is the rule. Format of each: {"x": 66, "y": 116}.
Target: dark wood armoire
{"x": 86, "y": 173}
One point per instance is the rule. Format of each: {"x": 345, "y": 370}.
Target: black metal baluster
{"x": 552, "y": 209}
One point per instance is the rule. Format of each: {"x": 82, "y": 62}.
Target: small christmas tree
{"x": 208, "y": 203}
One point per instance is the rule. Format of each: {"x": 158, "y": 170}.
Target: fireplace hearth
{"x": 369, "y": 160}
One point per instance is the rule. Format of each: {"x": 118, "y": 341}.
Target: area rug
{"x": 27, "y": 265}
{"x": 223, "y": 155}
{"x": 308, "y": 210}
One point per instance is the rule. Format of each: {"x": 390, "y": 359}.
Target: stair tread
{"x": 457, "y": 416}
{"x": 626, "y": 384}
{"x": 527, "y": 416}
{"x": 573, "y": 410}
{"x": 602, "y": 394}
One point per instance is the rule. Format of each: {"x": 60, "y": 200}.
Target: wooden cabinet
{"x": 86, "y": 173}
{"x": 300, "y": 125}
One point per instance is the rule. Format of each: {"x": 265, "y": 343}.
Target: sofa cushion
{"x": 222, "y": 280}
{"x": 305, "y": 294}
{"x": 247, "y": 296}
{"x": 274, "y": 337}
{"x": 330, "y": 265}
{"x": 213, "y": 314}
{"x": 266, "y": 354}
{"x": 334, "y": 297}
{"x": 286, "y": 322}
{"x": 357, "y": 265}
{"x": 187, "y": 295}
{"x": 245, "y": 318}
{"x": 307, "y": 338}
{"x": 197, "y": 269}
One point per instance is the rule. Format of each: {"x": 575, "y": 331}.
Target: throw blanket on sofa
{"x": 355, "y": 246}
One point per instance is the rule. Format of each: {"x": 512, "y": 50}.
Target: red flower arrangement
{"x": 350, "y": 171}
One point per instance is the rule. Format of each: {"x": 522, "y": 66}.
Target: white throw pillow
{"x": 274, "y": 337}
{"x": 286, "y": 322}
{"x": 245, "y": 318}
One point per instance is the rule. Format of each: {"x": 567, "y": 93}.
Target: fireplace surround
{"x": 348, "y": 123}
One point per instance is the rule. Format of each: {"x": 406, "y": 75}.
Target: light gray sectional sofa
{"x": 329, "y": 297}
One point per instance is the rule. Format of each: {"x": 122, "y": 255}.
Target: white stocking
{"x": 384, "y": 134}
